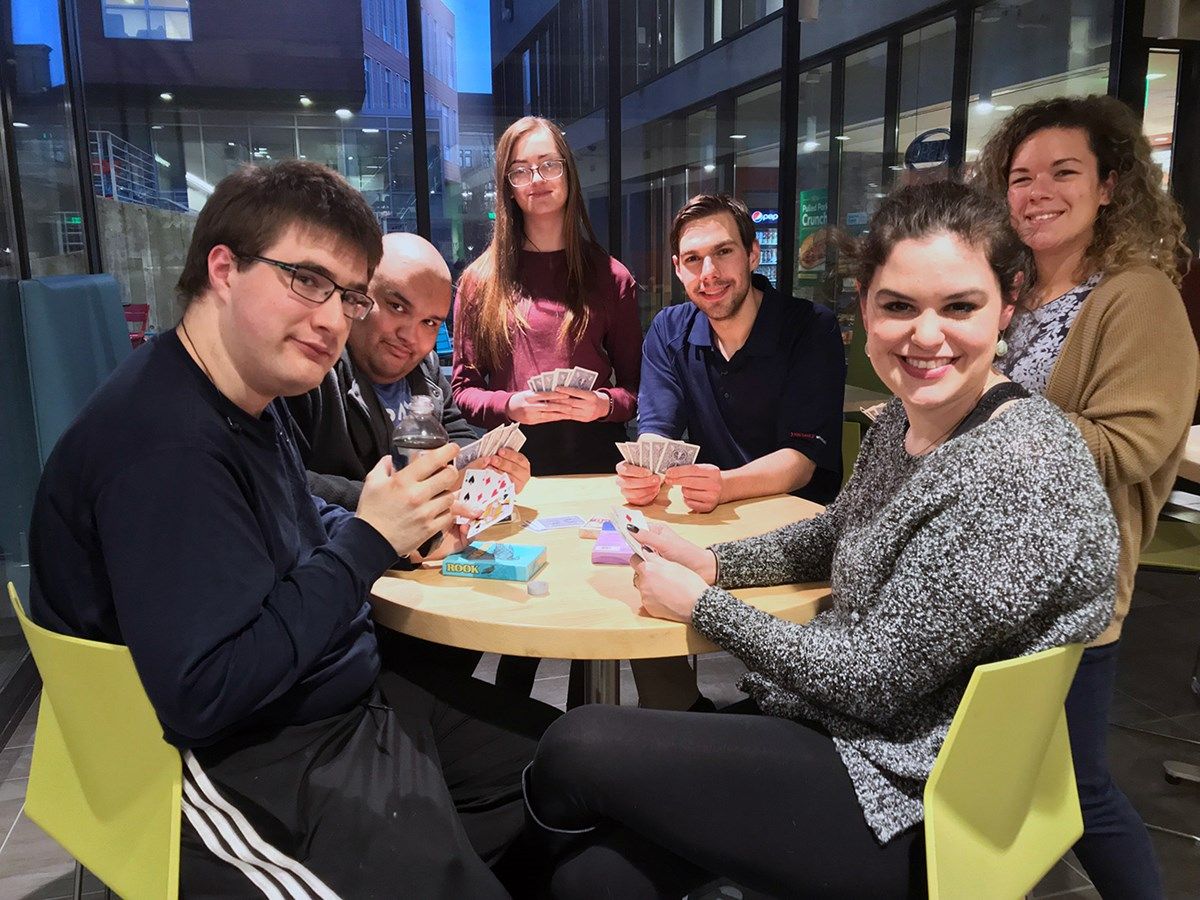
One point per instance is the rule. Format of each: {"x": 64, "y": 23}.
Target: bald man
{"x": 348, "y": 420}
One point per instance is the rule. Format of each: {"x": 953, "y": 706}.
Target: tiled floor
{"x": 1158, "y": 648}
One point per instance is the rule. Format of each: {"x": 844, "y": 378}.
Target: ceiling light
{"x": 1154, "y": 76}
{"x": 304, "y": 101}
{"x": 162, "y": 162}
{"x": 370, "y": 131}
{"x": 156, "y": 128}
{"x": 343, "y": 113}
{"x": 166, "y": 95}
{"x": 709, "y": 167}
{"x": 20, "y": 124}
{"x": 738, "y": 137}
{"x": 840, "y": 137}
{"x": 984, "y": 107}
{"x": 809, "y": 146}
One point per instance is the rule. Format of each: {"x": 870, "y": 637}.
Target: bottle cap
{"x": 537, "y": 588}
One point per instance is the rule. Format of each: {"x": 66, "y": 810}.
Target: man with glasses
{"x": 346, "y": 424}
{"x": 174, "y": 517}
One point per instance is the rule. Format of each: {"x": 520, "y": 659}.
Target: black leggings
{"x": 678, "y": 798}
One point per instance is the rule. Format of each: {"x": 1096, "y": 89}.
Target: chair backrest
{"x": 1001, "y": 806}
{"x": 75, "y": 335}
{"x": 103, "y": 782}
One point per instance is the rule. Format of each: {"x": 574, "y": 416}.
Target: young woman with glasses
{"x": 544, "y": 296}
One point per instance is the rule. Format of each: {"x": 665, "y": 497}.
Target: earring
{"x": 1001, "y": 346}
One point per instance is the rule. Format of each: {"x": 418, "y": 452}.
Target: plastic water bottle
{"x": 418, "y": 432}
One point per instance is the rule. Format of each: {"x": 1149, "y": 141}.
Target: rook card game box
{"x": 492, "y": 559}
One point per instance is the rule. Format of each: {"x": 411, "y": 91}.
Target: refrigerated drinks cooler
{"x": 766, "y": 230}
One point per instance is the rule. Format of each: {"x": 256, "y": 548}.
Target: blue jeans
{"x": 1115, "y": 849}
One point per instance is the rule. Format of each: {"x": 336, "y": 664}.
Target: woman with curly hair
{"x": 1101, "y": 325}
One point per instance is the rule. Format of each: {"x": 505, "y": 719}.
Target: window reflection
{"x": 43, "y": 140}
{"x": 813, "y": 278}
{"x": 1072, "y": 48}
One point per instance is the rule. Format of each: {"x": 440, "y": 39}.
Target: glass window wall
{"x": 1024, "y": 50}
{"x": 926, "y": 79}
{"x": 43, "y": 142}
{"x": 756, "y": 168}
{"x": 812, "y": 275}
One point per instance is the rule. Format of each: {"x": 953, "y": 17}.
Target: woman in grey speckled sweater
{"x": 975, "y": 528}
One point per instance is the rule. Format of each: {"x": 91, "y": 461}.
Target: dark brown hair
{"x": 977, "y": 218}
{"x": 251, "y": 208}
{"x": 489, "y": 286}
{"x": 1142, "y": 224}
{"x": 704, "y": 205}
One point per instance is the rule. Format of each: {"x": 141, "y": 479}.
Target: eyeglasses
{"x": 317, "y": 288}
{"x": 549, "y": 169}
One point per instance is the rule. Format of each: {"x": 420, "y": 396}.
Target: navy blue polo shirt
{"x": 783, "y": 388}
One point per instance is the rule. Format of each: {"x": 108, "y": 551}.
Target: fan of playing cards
{"x": 499, "y": 437}
{"x": 489, "y": 491}
{"x": 659, "y": 454}
{"x": 577, "y": 377}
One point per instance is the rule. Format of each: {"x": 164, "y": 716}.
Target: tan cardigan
{"x": 1128, "y": 377}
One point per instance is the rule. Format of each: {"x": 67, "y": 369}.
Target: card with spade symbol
{"x": 491, "y": 493}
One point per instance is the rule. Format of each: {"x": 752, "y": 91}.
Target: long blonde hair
{"x": 1142, "y": 224}
{"x": 490, "y": 289}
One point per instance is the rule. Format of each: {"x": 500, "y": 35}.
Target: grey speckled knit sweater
{"x": 999, "y": 543}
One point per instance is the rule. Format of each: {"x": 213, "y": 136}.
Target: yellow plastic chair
{"x": 1175, "y": 545}
{"x": 103, "y": 782}
{"x": 1001, "y": 806}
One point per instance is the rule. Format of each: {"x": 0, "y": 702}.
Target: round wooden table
{"x": 592, "y": 612}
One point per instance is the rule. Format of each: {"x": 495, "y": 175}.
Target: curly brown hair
{"x": 1142, "y": 224}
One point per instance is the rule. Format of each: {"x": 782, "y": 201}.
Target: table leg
{"x": 602, "y": 682}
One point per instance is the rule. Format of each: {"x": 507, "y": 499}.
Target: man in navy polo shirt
{"x": 754, "y": 377}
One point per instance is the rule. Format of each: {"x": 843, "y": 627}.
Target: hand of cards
{"x": 659, "y": 454}
{"x": 577, "y": 377}
{"x": 499, "y": 437}
{"x": 489, "y": 491}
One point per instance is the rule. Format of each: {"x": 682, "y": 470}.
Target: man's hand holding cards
{"x": 659, "y": 454}
{"x": 499, "y": 449}
{"x": 488, "y": 494}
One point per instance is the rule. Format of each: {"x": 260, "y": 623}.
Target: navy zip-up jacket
{"x": 170, "y": 520}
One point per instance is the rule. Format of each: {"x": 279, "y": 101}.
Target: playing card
{"x": 550, "y": 523}
{"x": 657, "y": 448}
{"x": 623, "y": 449}
{"x": 516, "y": 438}
{"x": 677, "y": 453}
{"x": 538, "y": 382}
{"x": 560, "y": 377}
{"x": 490, "y": 442}
{"x": 622, "y": 518}
{"x": 491, "y": 493}
{"x": 581, "y": 378}
{"x": 467, "y": 455}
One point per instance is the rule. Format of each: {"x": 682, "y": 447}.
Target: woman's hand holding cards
{"x": 581, "y": 405}
{"x": 668, "y": 590}
{"x": 669, "y": 545}
{"x": 536, "y": 407}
